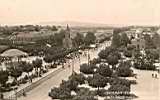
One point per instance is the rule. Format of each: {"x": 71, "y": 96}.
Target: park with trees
{"x": 22, "y": 72}
{"x": 105, "y": 76}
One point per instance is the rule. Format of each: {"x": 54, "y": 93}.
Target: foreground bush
{"x": 80, "y": 78}
{"x": 119, "y": 88}
{"x": 84, "y": 94}
{"x": 70, "y": 84}
{"x": 60, "y": 93}
{"x": 84, "y": 68}
{"x": 84, "y": 97}
{"x": 124, "y": 70}
{"x": 97, "y": 81}
{"x": 104, "y": 70}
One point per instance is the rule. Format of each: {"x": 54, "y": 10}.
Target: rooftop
{"x": 13, "y": 53}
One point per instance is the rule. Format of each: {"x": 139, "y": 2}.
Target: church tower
{"x": 67, "y": 32}
{"x": 67, "y": 41}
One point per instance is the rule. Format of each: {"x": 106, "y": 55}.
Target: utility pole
{"x": 72, "y": 55}
{"x": 88, "y": 56}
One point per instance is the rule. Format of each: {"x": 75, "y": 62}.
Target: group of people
{"x": 154, "y": 75}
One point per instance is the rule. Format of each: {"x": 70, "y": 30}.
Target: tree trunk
{"x": 29, "y": 78}
{"x": 16, "y": 81}
{"x": 98, "y": 90}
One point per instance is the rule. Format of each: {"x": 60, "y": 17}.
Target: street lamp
{"x": 72, "y": 56}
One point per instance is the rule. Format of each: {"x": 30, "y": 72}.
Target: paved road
{"x": 41, "y": 91}
{"x": 148, "y": 88}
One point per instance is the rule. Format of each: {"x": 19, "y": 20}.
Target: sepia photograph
{"x": 79, "y": 49}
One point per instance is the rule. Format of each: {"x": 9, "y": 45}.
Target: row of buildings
{"x": 32, "y": 36}
{"x": 138, "y": 36}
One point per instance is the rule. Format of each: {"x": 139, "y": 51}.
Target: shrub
{"x": 84, "y": 94}
{"x": 105, "y": 71}
{"x": 101, "y": 92}
{"x": 23, "y": 81}
{"x": 124, "y": 70}
{"x": 128, "y": 53}
{"x": 70, "y": 84}
{"x": 115, "y": 81}
{"x": 95, "y": 61}
{"x": 84, "y": 68}
{"x": 80, "y": 78}
{"x": 97, "y": 81}
{"x": 59, "y": 93}
{"x": 119, "y": 88}
{"x": 84, "y": 97}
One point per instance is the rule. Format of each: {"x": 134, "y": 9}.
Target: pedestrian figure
{"x": 24, "y": 93}
{"x": 135, "y": 76}
{"x": 158, "y": 71}
{"x": 152, "y": 75}
{"x": 1, "y": 96}
{"x": 155, "y": 75}
{"x": 62, "y": 66}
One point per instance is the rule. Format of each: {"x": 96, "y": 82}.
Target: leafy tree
{"x": 156, "y": 40}
{"x": 15, "y": 71}
{"x": 27, "y": 67}
{"x": 124, "y": 70}
{"x": 120, "y": 81}
{"x": 144, "y": 63}
{"x": 84, "y": 68}
{"x": 128, "y": 53}
{"x": 95, "y": 61}
{"x": 120, "y": 85}
{"x": 116, "y": 40}
{"x": 84, "y": 94}
{"x": 131, "y": 47}
{"x": 97, "y": 81}
{"x": 48, "y": 58}
{"x": 84, "y": 97}
{"x": 70, "y": 84}
{"x": 152, "y": 54}
{"x": 37, "y": 64}
{"x": 79, "y": 39}
{"x": 3, "y": 77}
{"x": 124, "y": 39}
{"x": 80, "y": 78}
{"x": 60, "y": 93}
{"x": 104, "y": 70}
{"x": 103, "y": 54}
{"x": 54, "y": 28}
{"x": 90, "y": 38}
{"x": 149, "y": 42}
{"x": 137, "y": 54}
{"x": 119, "y": 88}
{"x": 112, "y": 59}
{"x": 58, "y": 38}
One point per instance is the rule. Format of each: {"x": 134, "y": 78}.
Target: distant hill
{"x": 75, "y": 24}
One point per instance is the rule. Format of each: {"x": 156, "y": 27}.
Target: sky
{"x": 126, "y": 12}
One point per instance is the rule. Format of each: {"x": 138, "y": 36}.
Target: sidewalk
{"x": 148, "y": 88}
{"x": 23, "y": 86}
